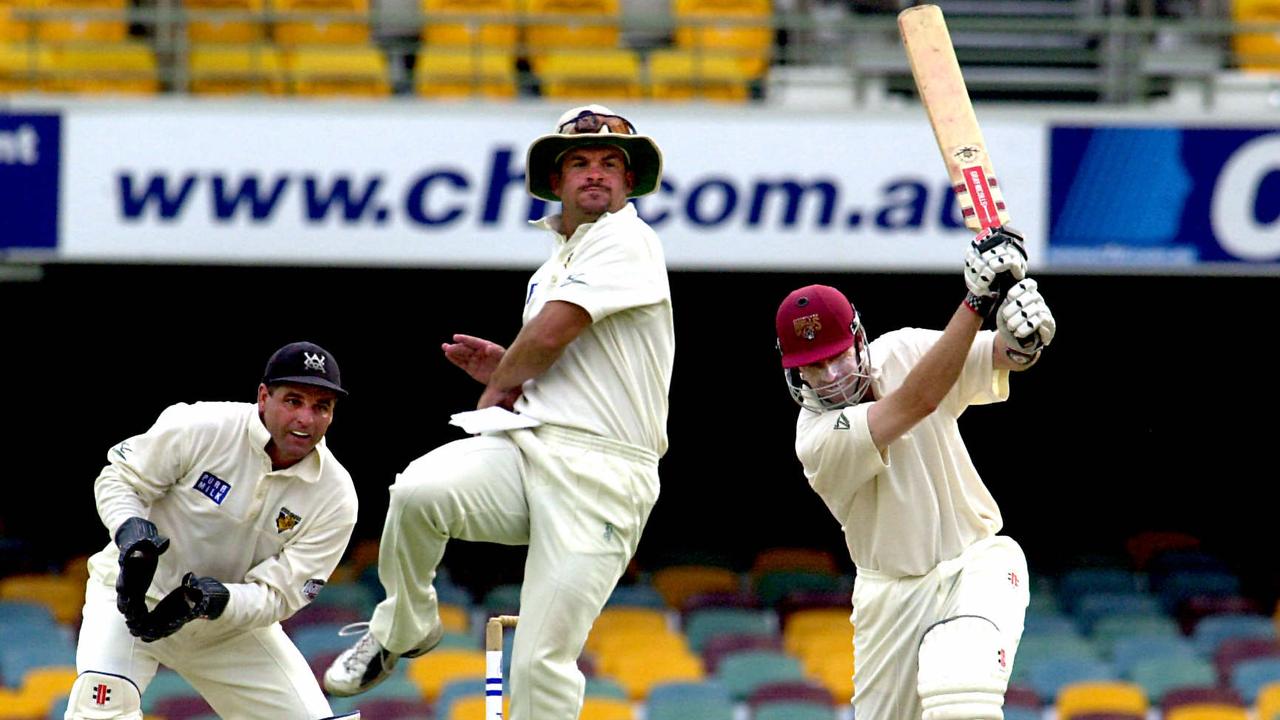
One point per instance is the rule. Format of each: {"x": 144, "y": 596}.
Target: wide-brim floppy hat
{"x": 586, "y": 126}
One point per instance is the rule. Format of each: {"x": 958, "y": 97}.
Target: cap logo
{"x": 313, "y": 361}
{"x": 807, "y": 327}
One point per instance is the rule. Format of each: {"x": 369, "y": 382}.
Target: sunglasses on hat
{"x": 589, "y": 123}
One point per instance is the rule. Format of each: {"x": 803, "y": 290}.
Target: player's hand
{"x": 476, "y": 356}
{"x": 995, "y": 260}
{"x": 1024, "y": 320}
{"x": 505, "y": 399}
{"x": 141, "y": 546}
{"x": 196, "y": 597}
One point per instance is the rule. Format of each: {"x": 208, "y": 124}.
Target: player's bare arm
{"x": 540, "y": 343}
{"x": 477, "y": 357}
{"x": 928, "y": 382}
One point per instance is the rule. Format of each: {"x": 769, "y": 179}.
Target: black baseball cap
{"x": 304, "y": 363}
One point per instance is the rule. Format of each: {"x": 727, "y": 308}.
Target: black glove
{"x": 141, "y": 546}
{"x": 201, "y": 597}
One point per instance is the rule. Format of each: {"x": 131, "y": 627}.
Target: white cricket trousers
{"x": 580, "y": 502}
{"x": 891, "y": 615}
{"x": 256, "y": 674}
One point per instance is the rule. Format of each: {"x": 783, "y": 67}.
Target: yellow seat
{"x": 470, "y": 23}
{"x": 1268, "y": 702}
{"x": 126, "y": 68}
{"x": 454, "y": 618}
{"x": 604, "y": 74}
{"x": 684, "y": 75}
{"x": 225, "y": 21}
{"x": 741, "y": 29}
{"x": 236, "y": 70}
{"x": 433, "y": 671}
{"x": 606, "y": 708}
{"x": 47, "y": 684}
{"x": 11, "y": 26}
{"x": 19, "y": 65}
{"x": 817, "y": 625}
{"x": 101, "y": 20}
{"x": 472, "y": 707}
{"x": 326, "y": 24}
{"x": 833, "y": 671}
{"x": 638, "y": 671}
{"x": 465, "y": 73}
{"x": 1257, "y": 52}
{"x": 677, "y": 583}
{"x": 1207, "y": 711}
{"x": 557, "y": 25}
{"x": 1084, "y": 698}
{"x": 62, "y": 595}
{"x": 17, "y": 705}
{"x": 340, "y": 71}
{"x": 609, "y": 647}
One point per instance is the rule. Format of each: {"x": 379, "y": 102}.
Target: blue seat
{"x": 351, "y": 595}
{"x": 1181, "y": 585}
{"x": 1128, "y": 651}
{"x": 680, "y": 692}
{"x": 1022, "y": 713}
{"x": 1212, "y": 630}
{"x": 16, "y": 660}
{"x": 503, "y": 600}
{"x": 17, "y": 613}
{"x": 321, "y": 638}
{"x": 705, "y": 623}
{"x": 1248, "y": 677}
{"x": 455, "y": 690}
{"x": 1096, "y": 606}
{"x": 743, "y": 672}
{"x": 600, "y": 686}
{"x": 637, "y": 596}
{"x": 398, "y": 686}
{"x": 1076, "y": 583}
{"x": 1048, "y": 675}
{"x": 1042, "y": 623}
{"x": 1109, "y": 631}
{"x": 794, "y": 710}
{"x": 1158, "y": 675}
{"x": 700, "y": 708}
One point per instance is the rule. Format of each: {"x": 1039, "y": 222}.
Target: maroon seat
{"x": 699, "y": 601}
{"x": 719, "y": 646}
{"x": 181, "y": 707}
{"x": 1199, "y": 694}
{"x": 1022, "y": 696}
{"x": 321, "y": 615}
{"x": 394, "y": 709}
{"x": 1197, "y": 607}
{"x": 1146, "y": 545}
{"x": 801, "y": 691}
{"x": 813, "y": 600}
{"x": 1233, "y": 651}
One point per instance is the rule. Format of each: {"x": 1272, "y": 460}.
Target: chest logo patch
{"x": 213, "y": 487}
{"x": 287, "y": 520}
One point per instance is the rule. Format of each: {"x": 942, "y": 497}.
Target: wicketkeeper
{"x": 226, "y": 518}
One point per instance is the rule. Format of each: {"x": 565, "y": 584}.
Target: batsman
{"x": 940, "y": 596}
{"x": 225, "y": 519}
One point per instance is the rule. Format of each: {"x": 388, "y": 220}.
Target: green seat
{"x": 166, "y": 684}
{"x": 700, "y": 708}
{"x": 1107, "y": 631}
{"x": 793, "y": 710}
{"x": 771, "y": 587}
{"x": 1157, "y": 675}
{"x": 503, "y": 600}
{"x": 351, "y": 595}
{"x": 741, "y": 673}
{"x": 706, "y": 623}
{"x": 1049, "y": 646}
{"x": 605, "y": 687}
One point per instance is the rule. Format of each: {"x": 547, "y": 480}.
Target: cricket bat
{"x": 955, "y": 126}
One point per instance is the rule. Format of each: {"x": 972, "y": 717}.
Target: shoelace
{"x": 364, "y": 650}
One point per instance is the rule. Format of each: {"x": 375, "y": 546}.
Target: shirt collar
{"x": 552, "y": 222}
{"x": 308, "y": 469}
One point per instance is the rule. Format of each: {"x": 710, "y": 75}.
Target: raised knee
{"x": 964, "y": 670}
{"x": 103, "y": 696}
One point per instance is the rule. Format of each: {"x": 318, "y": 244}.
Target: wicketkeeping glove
{"x": 995, "y": 260}
{"x": 201, "y": 597}
{"x": 1024, "y": 321}
{"x": 141, "y": 546}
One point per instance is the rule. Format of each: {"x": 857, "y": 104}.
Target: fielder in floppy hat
{"x": 592, "y": 125}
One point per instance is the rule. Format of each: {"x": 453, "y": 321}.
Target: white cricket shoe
{"x": 367, "y": 663}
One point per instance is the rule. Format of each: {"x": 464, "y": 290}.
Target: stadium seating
{"x": 642, "y": 668}
{"x": 789, "y": 691}
{"x": 742, "y": 673}
{"x": 701, "y": 625}
{"x": 1048, "y": 675}
{"x": 1267, "y": 706}
{"x": 677, "y": 583}
{"x": 1199, "y": 695}
{"x": 1233, "y": 651}
{"x": 225, "y": 21}
{"x": 604, "y": 74}
{"x": 559, "y": 25}
{"x": 794, "y": 710}
{"x": 1126, "y": 652}
{"x": 1256, "y": 51}
{"x": 1143, "y": 546}
{"x": 1158, "y": 675}
{"x": 1213, "y": 630}
{"x": 1249, "y": 676}
{"x": 432, "y": 671}
{"x": 339, "y": 71}
{"x": 470, "y": 24}
{"x": 124, "y": 68}
{"x": 102, "y": 21}
{"x": 1077, "y": 699}
{"x": 63, "y": 595}
{"x": 1207, "y": 712}
{"x": 321, "y": 22}
{"x": 604, "y": 708}
{"x": 722, "y": 646}
{"x": 445, "y": 72}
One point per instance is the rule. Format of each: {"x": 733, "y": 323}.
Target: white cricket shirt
{"x": 203, "y": 476}
{"x": 613, "y": 379}
{"x": 924, "y": 503}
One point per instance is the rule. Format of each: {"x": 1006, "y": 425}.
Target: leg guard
{"x": 963, "y": 670}
{"x": 102, "y": 696}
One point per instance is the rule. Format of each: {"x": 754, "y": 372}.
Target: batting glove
{"x": 1024, "y": 321}
{"x": 141, "y": 546}
{"x": 994, "y": 260}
